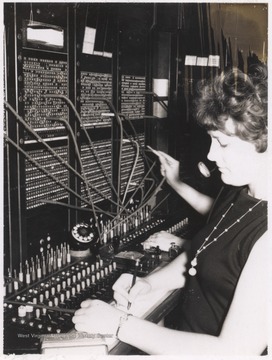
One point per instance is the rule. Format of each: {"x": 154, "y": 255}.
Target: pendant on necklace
{"x": 192, "y": 271}
{"x": 194, "y": 262}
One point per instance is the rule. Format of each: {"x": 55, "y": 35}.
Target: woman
{"x": 225, "y": 274}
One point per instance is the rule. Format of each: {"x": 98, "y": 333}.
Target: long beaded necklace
{"x": 192, "y": 271}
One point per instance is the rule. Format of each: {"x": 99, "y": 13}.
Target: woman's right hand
{"x": 169, "y": 167}
{"x": 124, "y": 293}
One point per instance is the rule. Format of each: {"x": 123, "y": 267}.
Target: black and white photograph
{"x": 135, "y": 180}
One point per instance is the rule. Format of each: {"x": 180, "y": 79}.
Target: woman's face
{"x": 237, "y": 160}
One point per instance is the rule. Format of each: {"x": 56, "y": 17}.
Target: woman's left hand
{"x": 163, "y": 239}
{"x": 97, "y": 317}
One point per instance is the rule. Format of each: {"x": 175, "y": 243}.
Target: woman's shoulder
{"x": 230, "y": 191}
{"x": 225, "y": 197}
{"x": 238, "y": 194}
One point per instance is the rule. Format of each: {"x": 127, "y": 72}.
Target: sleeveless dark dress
{"x": 208, "y": 295}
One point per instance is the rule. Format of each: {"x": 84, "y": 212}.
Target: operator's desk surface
{"x": 152, "y": 307}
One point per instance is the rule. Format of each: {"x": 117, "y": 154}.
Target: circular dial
{"x": 83, "y": 233}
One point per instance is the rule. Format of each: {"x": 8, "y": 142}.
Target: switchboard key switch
{"x": 41, "y": 298}
{"x": 79, "y": 295}
{"x": 74, "y": 279}
{"x": 47, "y": 293}
{"x": 73, "y": 296}
{"x": 29, "y": 312}
{"x": 83, "y": 285}
{"x": 59, "y": 262}
{"x": 8, "y": 284}
{"x": 21, "y": 275}
{"x": 78, "y": 275}
{"x": 56, "y": 301}
{"x": 69, "y": 282}
{"x": 22, "y": 312}
{"x": 88, "y": 282}
{"x": 97, "y": 276}
{"x": 63, "y": 284}
{"x": 44, "y": 317}
{"x": 68, "y": 303}
{"x": 93, "y": 279}
{"x": 83, "y": 273}
{"x": 37, "y": 314}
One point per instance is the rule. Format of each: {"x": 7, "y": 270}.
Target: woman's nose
{"x": 212, "y": 152}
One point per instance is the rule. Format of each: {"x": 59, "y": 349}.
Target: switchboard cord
{"x": 99, "y": 162}
{"x": 40, "y": 140}
{"x": 118, "y": 216}
{"x": 138, "y": 187}
{"x": 148, "y": 191}
{"x": 118, "y": 119}
{"x": 68, "y": 126}
{"x": 111, "y": 107}
{"x": 89, "y": 139}
{"x": 132, "y": 170}
{"x": 84, "y": 178}
{"x": 161, "y": 202}
{"x": 59, "y": 182}
{"x": 90, "y": 203}
{"x": 78, "y": 196}
{"x": 139, "y": 148}
{"x": 142, "y": 149}
{"x": 120, "y": 221}
{"x": 62, "y": 161}
{"x": 48, "y": 173}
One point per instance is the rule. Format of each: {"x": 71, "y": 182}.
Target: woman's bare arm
{"x": 245, "y": 328}
{"x": 170, "y": 169}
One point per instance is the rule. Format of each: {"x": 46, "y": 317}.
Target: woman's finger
{"x": 120, "y": 291}
{"x": 120, "y": 300}
{"x": 166, "y": 156}
{"x": 86, "y": 303}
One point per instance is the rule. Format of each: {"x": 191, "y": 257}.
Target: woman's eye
{"x": 223, "y": 145}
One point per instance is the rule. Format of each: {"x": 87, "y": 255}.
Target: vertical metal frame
{"x": 116, "y": 101}
{"x": 14, "y": 249}
{"x": 74, "y": 97}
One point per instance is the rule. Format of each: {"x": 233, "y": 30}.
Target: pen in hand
{"x": 134, "y": 279}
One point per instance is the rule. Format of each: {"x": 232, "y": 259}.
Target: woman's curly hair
{"x": 241, "y": 97}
